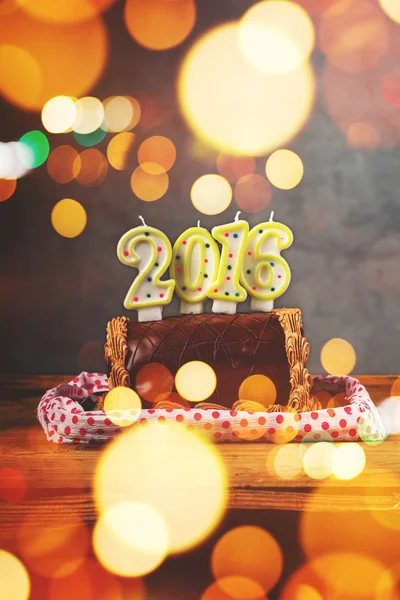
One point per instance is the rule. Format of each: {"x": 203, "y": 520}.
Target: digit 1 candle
{"x": 195, "y": 258}
{"x": 226, "y": 290}
{"x": 264, "y": 273}
{"x": 148, "y": 250}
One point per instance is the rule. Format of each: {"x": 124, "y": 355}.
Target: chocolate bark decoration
{"x": 236, "y": 346}
{"x": 115, "y": 351}
{"x": 298, "y": 351}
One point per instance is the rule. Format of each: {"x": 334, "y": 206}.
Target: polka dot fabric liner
{"x": 65, "y": 422}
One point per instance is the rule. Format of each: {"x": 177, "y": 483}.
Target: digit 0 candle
{"x": 226, "y": 290}
{"x": 195, "y": 258}
{"x": 264, "y": 272}
{"x": 148, "y": 250}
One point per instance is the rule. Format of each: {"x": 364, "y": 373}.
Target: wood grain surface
{"x": 59, "y": 477}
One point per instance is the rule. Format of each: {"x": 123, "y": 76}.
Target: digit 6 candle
{"x": 148, "y": 250}
{"x": 226, "y": 290}
{"x": 265, "y": 274}
{"x": 195, "y": 258}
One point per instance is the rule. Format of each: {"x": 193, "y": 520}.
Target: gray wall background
{"x": 56, "y": 295}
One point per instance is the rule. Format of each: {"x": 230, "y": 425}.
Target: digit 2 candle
{"x": 226, "y": 290}
{"x": 148, "y": 250}
{"x": 195, "y": 258}
{"x": 264, "y": 272}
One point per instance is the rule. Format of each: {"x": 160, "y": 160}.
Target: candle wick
{"x": 198, "y": 223}
{"x": 271, "y": 217}
{"x": 143, "y": 221}
{"x": 237, "y": 215}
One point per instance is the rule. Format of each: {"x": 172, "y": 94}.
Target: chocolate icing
{"x": 236, "y": 346}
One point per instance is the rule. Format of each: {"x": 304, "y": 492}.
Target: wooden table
{"x": 61, "y": 475}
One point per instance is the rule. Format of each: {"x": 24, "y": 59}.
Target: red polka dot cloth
{"x": 64, "y": 420}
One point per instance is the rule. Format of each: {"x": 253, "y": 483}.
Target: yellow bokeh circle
{"x": 276, "y": 36}
{"x": 171, "y": 469}
{"x": 122, "y": 406}
{"x": 251, "y": 112}
{"x": 258, "y": 388}
{"x": 284, "y": 169}
{"x": 119, "y": 150}
{"x": 348, "y": 461}
{"x": 58, "y": 114}
{"x": 130, "y": 539}
{"x": 338, "y": 357}
{"x": 211, "y": 194}
{"x": 317, "y": 460}
{"x": 14, "y": 580}
{"x": 195, "y": 381}
{"x": 391, "y": 8}
{"x": 68, "y": 218}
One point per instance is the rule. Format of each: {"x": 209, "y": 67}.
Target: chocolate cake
{"x": 236, "y": 346}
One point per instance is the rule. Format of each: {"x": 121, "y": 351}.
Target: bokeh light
{"x": 152, "y": 380}
{"x": 90, "y": 581}
{"x": 195, "y": 381}
{"x": 250, "y": 552}
{"x": 157, "y": 154}
{"x": 122, "y": 406}
{"x": 39, "y": 146}
{"x": 93, "y": 167}
{"x": 7, "y": 188}
{"x": 284, "y": 169}
{"x": 188, "y": 487}
{"x": 252, "y": 193}
{"x": 68, "y": 218}
{"x": 89, "y": 115}
{"x": 338, "y": 357}
{"x": 353, "y": 531}
{"x": 65, "y": 11}
{"x": 58, "y": 114}
{"x": 159, "y": 24}
{"x": 147, "y": 184}
{"x": 317, "y": 460}
{"x": 389, "y": 411}
{"x": 353, "y": 34}
{"x": 234, "y": 587}
{"x": 348, "y": 461}
{"x": 258, "y": 388}
{"x": 395, "y": 389}
{"x": 93, "y": 138}
{"x": 12, "y": 485}
{"x": 130, "y": 539}
{"x": 363, "y": 135}
{"x": 50, "y": 547}
{"x": 286, "y": 461}
{"x": 42, "y": 60}
{"x": 119, "y": 150}
{"x": 252, "y": 112}
{"x": 211, "y": 194}
{"x": 14, "y": 580}
{"x": 16, "y": 160}
{"x": 235, "y": 167}
{"x": 276, "y": 36}
{"x": 391, "y": 8}
{"x": 121, "y": 112}
{"x": 63, "y": 164}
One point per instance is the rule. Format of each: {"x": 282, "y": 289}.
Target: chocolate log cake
{"x": 236, "y": 346}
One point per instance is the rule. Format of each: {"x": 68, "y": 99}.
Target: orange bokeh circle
{"x": 63, "y": 164}
{"x": 153, "y": 380}
{"x": 48, "y": 59}
{"x": 235, "y": 167}
{"x": 93, "y": 167}
{"x": 148, "y": 184}
{"x": 65, "y": 11}
{"x": 157, "y": 154}
{"x": 7, "y": 188}
{"x": 159, "y": 24}
{"x": 252, "y": 193}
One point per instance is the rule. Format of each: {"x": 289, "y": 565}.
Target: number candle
{"x": 226, "y": 290}
{"x": 148, "y": 250}
{"x": 265, "y": 274}
{"x": 195, "y": 257}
